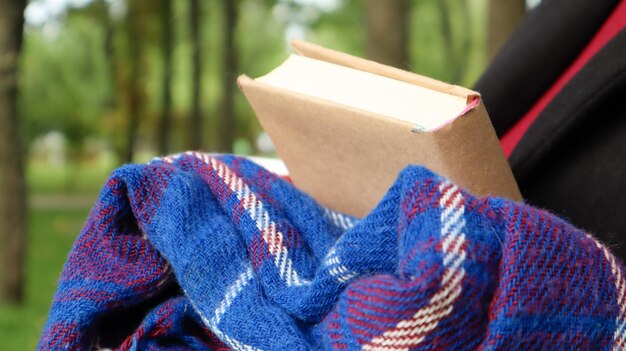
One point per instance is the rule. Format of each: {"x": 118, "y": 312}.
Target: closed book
{"x": 345, "y": 127}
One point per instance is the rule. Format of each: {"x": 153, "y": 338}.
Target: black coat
{"x": 572, "y": 159}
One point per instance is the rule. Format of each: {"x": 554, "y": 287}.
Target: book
{"x": 345, "y": 127}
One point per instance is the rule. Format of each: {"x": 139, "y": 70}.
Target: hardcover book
{"x": 345, "y": 127}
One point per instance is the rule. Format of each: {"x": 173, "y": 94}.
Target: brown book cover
{"x": 347, "y": 158}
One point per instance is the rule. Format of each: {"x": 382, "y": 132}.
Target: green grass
{"x": 51, "y": 234}
{"x": 80, "y": 178}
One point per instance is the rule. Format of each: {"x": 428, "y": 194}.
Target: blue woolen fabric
{"x": 228, "y": 256}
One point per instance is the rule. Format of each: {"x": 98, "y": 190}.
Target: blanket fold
{"x": 213, "y": 252}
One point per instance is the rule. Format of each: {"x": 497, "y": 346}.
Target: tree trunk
{"x": 387, "y": 23}
{"x": 12, "y": 184}
{"x": 115, "y": 70}
{"x": 457, "y": 45}
{"x": 229, "y": 69}
{"x": 166, "y": 94}
{"x": 109, "y": 52}
{"x": 504, "y": 16}
{"x": 448, "y": 39}
{"x": 134, "y": 85}
{"x": 195, "y": 131}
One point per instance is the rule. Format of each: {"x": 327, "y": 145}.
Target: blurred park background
{"x": 87, "y": 85}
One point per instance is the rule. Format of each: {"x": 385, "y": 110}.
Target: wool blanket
{"x": 213, "y": 252}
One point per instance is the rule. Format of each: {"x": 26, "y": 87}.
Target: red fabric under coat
{"x": 611, "y": 27}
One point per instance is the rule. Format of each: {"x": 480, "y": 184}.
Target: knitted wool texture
{"x": 217, "y": 253}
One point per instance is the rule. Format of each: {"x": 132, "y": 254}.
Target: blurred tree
{"x": 109, "y": 48}
{"x": 387, "y": 23}
{"x": 166, "y": 95}
{"x": 340, "y": 29}
{"x": 139, "y": 74}
{"x": 65, "y": 81}
{"x": 448, "y": 35}
{"x": 195, "y": 131}
{"x": 115, "y": 92}
{"x": 456, "y": 30}
{"x": 256, "y": 55}
{"x": 504, "y": 16}
{"x": 134, "y": 88}
{"x": 228, "y": 120}
{"x": 12, "y": 185}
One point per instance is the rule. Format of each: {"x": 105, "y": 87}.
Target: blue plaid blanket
{"x": 213, "y": 252}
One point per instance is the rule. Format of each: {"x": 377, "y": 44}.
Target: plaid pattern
{"x": 216, "y": 253}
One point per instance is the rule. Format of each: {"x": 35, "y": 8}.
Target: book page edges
{"x": 324, "y": 54}
{"x": 347, "y": 158}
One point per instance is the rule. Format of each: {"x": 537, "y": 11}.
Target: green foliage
{"x": 64, "y": 79}
{"x": 342, "y": 29}
{"x": 75, "y": 71}
{"x": 262, "y": 47}
{"x": 459, "y": 58}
